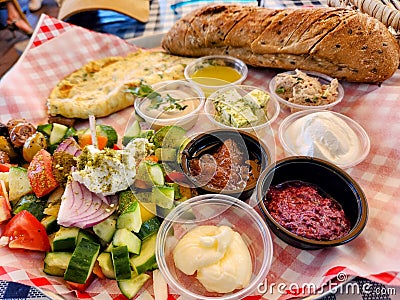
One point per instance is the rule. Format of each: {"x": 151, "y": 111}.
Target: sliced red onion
{"x": 69, "y": 145}
{"x": 83, "y": 208}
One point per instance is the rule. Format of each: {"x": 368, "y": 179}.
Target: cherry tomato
{"x": 26, "y": 232}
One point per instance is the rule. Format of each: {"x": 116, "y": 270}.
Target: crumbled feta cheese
{"x": 105, "y": 171}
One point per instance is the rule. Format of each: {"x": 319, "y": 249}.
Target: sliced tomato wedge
{"x": 5, "y": 167}
{"x": 40, "y": 174}
{"x": 26, "y": 232}
{"x": 81, "y": 287}
{"x": 5, "y": 209}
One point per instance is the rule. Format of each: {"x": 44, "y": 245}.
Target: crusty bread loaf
{"x": 339, "y": 42}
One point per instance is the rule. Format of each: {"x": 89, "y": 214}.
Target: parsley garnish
{"x": 280, "y": 90}
{"x": 145, "y": 91}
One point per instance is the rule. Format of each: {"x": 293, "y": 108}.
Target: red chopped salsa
{"x": 305, "y": 211}
{"x": 226, "y": 168}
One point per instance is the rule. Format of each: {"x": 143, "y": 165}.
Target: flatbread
{"x": 99, "y": 88}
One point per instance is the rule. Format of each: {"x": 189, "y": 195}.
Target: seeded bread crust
{"x": 339, "y": 42}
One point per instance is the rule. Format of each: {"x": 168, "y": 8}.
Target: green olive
{"x": 33, "y": 144}
{"x": 6, "y": 146}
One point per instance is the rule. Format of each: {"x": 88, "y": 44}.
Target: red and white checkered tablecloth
{"x": 58, "y": 48}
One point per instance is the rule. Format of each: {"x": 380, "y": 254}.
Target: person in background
{"x": 16, "y": 19}
{"x": 35, "y": 5}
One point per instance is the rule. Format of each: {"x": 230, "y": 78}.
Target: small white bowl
{"x": 212, "y": 60}
{"x": 293, "y": 107}
{"x": 217, "y": 210}
{"x": 181, "y": 89}
{"x": 272, "y": 109}
{"x": 290, "y": 150}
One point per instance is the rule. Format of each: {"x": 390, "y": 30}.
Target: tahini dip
{"x": 324, "y": 135}
{"x": 174, "y": 104}
{"x": 218, "y": 255}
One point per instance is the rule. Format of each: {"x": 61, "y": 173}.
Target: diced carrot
{"x": 152, "y": 158}
{"x": 97, "y": 270}
{"x": 86, "y": 139}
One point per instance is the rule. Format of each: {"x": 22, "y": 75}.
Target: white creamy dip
{"x": 324, "y": 135}
{"x": 218, "y": 255}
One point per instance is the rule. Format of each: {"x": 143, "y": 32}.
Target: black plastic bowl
{"x": 329, "y": 178}
{"x": 206, "y": 142}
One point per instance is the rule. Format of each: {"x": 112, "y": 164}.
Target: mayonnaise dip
{"x": 218, "y": 254}
{"x": 324, "y": 135}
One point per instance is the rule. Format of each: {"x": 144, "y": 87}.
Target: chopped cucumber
{"x": 55, "y": 263}
{"x": 131, "y": 287}
{"x": 169, "y": 137}
{"x": 106, "y": 264}
{"x": 82, "y": 261}
{"x": 134, "y": 130}
{"x": 106, "y": 229}
{"x": 148, "y": 210}
{"x": 131, "y": 218}
{"x": 147, "y": 134}
{"x": 54, "y": 202}
{"x": 147, "y": 257}
{"x": 70, "y": 132}
{"x": 57, "y": 133}
{"x": 109, "y": 132}
{"x": 18, "y": 183}
{"x": 120, "y": 260}
{"x": 143, "y": 197}
{"x": 65, "y": 239}
{"x": 177, "y": 190}
{"x": 83, "y": 234}
{"x": 163, "y": 212}
{"x": 45, "y": 128}
{"x": 32, "y": 204}
{"x": 109, "y": 248}
{"x": 50, "y": 223}
{"x": 149, "y": 228}
{"x": 124, "y": 237}
{"x": 150, "y": 172}
{"x": 125, "y": 198}
{"x": 166, "y": 154}
{"x": 163, "y": 196}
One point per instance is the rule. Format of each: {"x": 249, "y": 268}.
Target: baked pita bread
{"x": 99, "y": 88}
